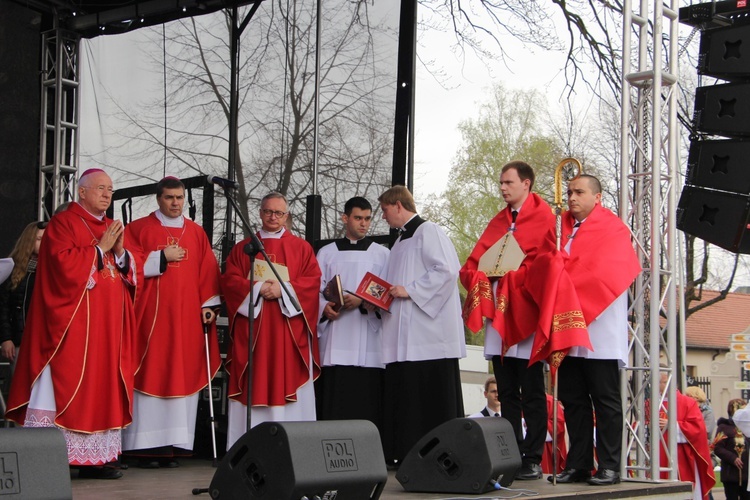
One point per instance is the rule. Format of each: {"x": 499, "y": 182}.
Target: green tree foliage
{"x": 509, "y": 127}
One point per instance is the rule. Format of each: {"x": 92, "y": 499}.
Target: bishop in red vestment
{"x": 179, "y": 288}
{"x": 285, "y": 344}
{"x": 75, "y": 371}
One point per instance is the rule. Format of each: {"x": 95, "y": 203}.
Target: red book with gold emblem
{"x": 375, "y": 290}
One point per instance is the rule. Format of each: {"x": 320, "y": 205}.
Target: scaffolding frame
{"x": 648, "y": 189}
{"x": 60, "y": 111}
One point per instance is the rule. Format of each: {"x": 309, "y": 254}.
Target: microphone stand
{"x": 252, "y": 248}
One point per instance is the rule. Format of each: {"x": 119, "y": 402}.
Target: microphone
{"x": 221, "y": 181}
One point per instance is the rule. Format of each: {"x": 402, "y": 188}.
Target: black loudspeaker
{"x": 335, "y": 459}
{"x": 34, "y": 464}
{"x": 464, "y": 455}
{"x": 20, "y": 93}
{"x": 723, "y": 109}
{"x": 720, "y": 164}
{"x": 716, "y": 217}
{"x": 725, "y": 52}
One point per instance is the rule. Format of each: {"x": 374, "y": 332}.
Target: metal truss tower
{"x": 59, "y": 137}
{"x": 649, "y": 183}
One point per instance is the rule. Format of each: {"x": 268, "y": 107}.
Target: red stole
{"x": 170, "y": 345}
{"x": 573, "y": 290}
{"x": 515, "y": 315}
{"x": 282, "y": 345}
{"x": 81, "y": 324}
{"x": 696, "y": 450}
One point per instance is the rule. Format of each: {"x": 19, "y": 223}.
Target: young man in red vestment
{"x": 75, "y": 371}
{"x": 598, "y": 263}
{"x": 176, "y": 297}
{"x": 693, "y": 455}
{"x": 285, "y": 343}
{"x": 511, "y": 315}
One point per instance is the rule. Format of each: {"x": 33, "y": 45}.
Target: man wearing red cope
{"x": 511, "y": 315}
{"x": 180, "y": 288}
{"x": 75, "y": 371}
{"x": 595, "y": 268}
{"x": 693, "y": 455}
{"x": 285, "y": 344}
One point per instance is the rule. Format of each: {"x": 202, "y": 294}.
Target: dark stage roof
{"x": 91, "y": 18}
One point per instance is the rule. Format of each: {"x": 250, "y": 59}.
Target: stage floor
{"x": 177, "y": 483}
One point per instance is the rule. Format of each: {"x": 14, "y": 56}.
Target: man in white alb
{"x": 351, "y": 380}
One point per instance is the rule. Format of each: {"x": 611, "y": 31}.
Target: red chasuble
{"x": 515, "y": 315}
{"x": 81, "y": 324}
{"x": 170, "y": 347}
{"x": 573, "y": 290}
{"x": 282, "y": 345}
{"x": 696, "y": 450}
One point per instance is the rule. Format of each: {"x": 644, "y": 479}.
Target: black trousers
{"x": 350, "y": 393}
{"x": 418, "y": 396}
{"x": 520, "y": 389}
{"x": 736, "y": 491}
{"x": 585, "y": 385}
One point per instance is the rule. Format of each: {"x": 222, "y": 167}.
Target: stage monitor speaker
{"x": 716, "y": 217}
{"x": 464, "y": 455}
{"x": 723, "y": 110}
{"x": 725, "y": 52}
{"x": 34, "y": 464}
{"x": 720, "y": 164}
{"x": 333, "y": 459}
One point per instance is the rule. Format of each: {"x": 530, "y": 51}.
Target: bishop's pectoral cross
{"x": 109, "y": 267}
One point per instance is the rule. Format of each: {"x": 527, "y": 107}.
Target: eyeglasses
{"x": 268, "y": 213}
{"x": 101, "y": 189}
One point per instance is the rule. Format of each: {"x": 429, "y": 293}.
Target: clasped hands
{"x": 112, "y": 239}
{"x": 270, "y": 290}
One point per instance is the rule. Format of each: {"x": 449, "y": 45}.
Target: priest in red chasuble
{"x": 176, "y": 295}
{"x": 285, "y": 343}
{"x": 584, "y": 286}
{"x": 503, "y": 306}
{"x": 75, "y": 370}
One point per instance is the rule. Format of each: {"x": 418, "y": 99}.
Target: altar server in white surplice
{"x": 423, "y": 335}
{"x": 351, "y": 380}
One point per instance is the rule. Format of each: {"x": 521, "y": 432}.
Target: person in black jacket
{"x": 731, "y": 448}
{"x": 15, "y": 292}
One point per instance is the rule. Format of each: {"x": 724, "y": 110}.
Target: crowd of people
{"x": 119, "y": 334}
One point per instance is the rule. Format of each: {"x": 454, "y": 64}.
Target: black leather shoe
{"x": 529, "y": 472}
{"x": 604, "y": 477}
{"x": 89, "y": 472}
{"x": 572, "y": 476}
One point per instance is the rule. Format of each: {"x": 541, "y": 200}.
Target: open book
{"x": 374, "y": 290}
{"x": 334, "y": 293}
{"x": 502, "y": 257}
